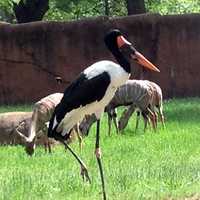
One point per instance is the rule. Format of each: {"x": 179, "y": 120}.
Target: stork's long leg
{"x": 98, "y": 157}
{"x": 84, "y": 171}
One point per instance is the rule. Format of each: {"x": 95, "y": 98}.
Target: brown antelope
{"x": 155, "y": 104}
{"x": 42, "y": 112}
{"x": 136, "y": 93}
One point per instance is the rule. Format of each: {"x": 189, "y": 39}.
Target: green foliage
{"x": 75, "y": 9}
{"x": 63, "y": 10}
{"x": 6, "y": 12}
{"x": 173, "y": 6}
{"x": 161, "y": 165}
{"x": 78, "y": 9}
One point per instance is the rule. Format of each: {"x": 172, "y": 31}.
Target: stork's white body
{"x": 118, "y": 76}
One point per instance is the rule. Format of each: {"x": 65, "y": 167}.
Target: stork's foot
{"x": 84, "y": 171}
{"x": 84, "y": 174}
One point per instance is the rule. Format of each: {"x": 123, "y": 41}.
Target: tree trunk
{"x": 107, "y": 8}
{"x": 30, "y": 10}
{"x": 135, "y": 7}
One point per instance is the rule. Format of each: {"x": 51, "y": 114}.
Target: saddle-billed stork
{"x": 92, "y": 91}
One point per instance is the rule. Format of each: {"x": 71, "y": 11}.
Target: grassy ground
{"x": 160, "y": 165}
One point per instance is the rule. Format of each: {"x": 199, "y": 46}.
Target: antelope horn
{"x": 21, "y": 134}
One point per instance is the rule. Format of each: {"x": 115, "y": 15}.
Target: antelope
{"x": 136, "y": 93}
{"x": 41, "y": 136}
{"x": 155, "y": 104}
{"x": 42, "y": 112}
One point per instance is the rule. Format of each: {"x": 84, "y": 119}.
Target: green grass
{"x": 160, "y": 165}
{"x": 16, "y": 108}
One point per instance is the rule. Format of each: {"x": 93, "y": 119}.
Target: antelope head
{"x": 28, "y": 142}
{"x": 86, "y": 124}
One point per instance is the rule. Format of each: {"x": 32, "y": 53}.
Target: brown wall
{"x": 31, "y": 54}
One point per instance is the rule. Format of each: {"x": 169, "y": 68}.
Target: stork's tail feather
{"x": 58, "y": 136}
{"x": 53, "y": 133}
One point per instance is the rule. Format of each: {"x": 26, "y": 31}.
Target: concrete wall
{"x": 31, "y": 54}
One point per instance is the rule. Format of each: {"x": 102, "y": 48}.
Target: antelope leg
{"x": 161, "y": 116}
{"x": 152, "y": 118}
{"x": 137, "y": 120}
{"x": 115, "y": 120}
{"x": 123, "y": 121}
{"x": 109, "y": 123}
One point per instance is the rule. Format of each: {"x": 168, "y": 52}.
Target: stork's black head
{"x": 123, "y": 50}
{"x": 111, "y": 39}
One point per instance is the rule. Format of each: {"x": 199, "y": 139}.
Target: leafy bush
{"x": 173, "y": 6}
{"x": 63, "y": 10}
{"x": 6, "y": 12}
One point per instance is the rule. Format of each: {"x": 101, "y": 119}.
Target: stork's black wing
{"x": 81, "y": 92}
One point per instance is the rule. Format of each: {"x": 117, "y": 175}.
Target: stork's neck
{"x": 124, "y": 63}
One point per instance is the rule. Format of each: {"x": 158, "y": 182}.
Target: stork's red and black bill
{"x": 137, "y": 56}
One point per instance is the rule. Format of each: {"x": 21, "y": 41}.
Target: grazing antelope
{"x": 154, "y": 103}
{"x": 41, "y": 136}
{"x": 42, "y": 112}
{"x": 9, "y": 121}
{"x": 136, "y": 93}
